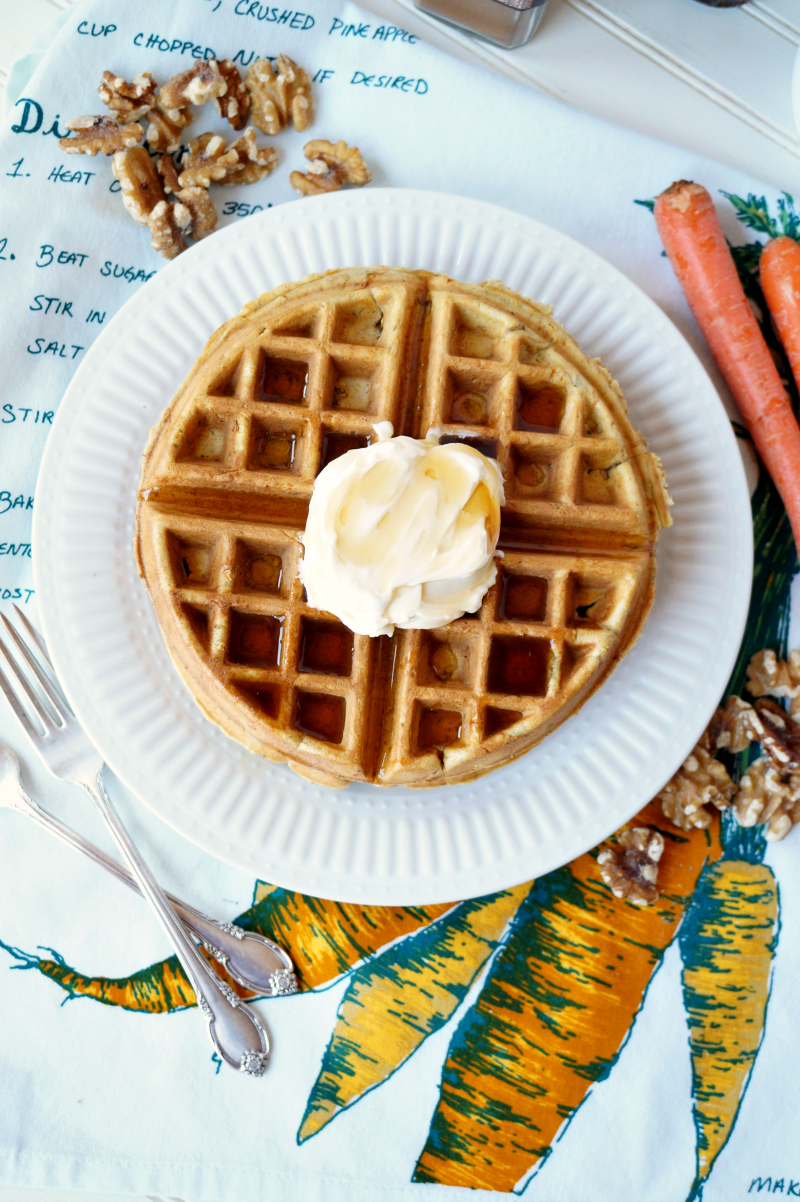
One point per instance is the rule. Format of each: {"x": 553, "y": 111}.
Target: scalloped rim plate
{"x": 366, "y": 844}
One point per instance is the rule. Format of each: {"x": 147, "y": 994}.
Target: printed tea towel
{"x": 548, "y": 1040}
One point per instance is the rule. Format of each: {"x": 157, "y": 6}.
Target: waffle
{"x": 298, "y": 378}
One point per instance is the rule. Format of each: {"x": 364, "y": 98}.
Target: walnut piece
{"x": 253, "y": 162}
{"x": 278, "y": 98}
{"x": 234, "y": 103}
{"x": 778, "y": 734}
{"x": 331, "y": 166}
{"x": 769, "y": 676}
{"x": 200, "y": 83}
{"x": 103, "y": 134}
{"x": 129, "y": 100}
{"x": 201, "y": 210}
{"x": 768, "y": 798}
{"x": 208, "y": 159}
{"x": 630, "y": 867}
{"x": 141, "y": 184}
{"x": 169, "y": 224}
{"x": 733, "y": 726}
{"x": 166, "y": 126}
{"x": 166, "y": 169}
{"x": 699, "y": 782}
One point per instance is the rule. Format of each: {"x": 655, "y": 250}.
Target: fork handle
{"x": 251, "y": 959}
{"x": 237, "y": 1033}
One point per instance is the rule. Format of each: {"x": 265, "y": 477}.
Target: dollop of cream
{"x": 402, "y": 533}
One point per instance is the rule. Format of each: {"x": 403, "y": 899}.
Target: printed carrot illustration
{"x": 727, "y": 943}
{"x": 779, "y": 270}
{"x": 702, "y": 261}
{"x": 556, "y": 1007}
{"x": 394, "y": 1002}
{"x": 325, "y": 938}
{"x": 156, "y": 990}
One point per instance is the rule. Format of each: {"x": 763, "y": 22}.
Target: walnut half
{"x": 766, "y": 797}
{"x": 93, "y": 135}
{"x": 169, "y": 224}
{"x": 141, "y": 184}
{"x": 234, "y": 103}
{"x": 699, "y": 782}
{"x": 630, "y": 866}
{"x": 211, "y": 161}
{"x": 200, "y": 83}
{"x": 166, "y": 126}
{"x": 332, "y": 164}
{"x": 769, "y": 676}
{"x": 276, "y": 98}
{"x": 129, "y": 100}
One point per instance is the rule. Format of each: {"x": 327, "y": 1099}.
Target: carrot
{"x": 557, "y": 1005}
{"x": 702, "y": 261}
{"x": 779, "y": 270}
{"x": 400, "y": 997}
{"x": 727, "y": 944}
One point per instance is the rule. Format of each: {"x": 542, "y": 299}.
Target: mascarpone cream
{"x": 402, "y": 533}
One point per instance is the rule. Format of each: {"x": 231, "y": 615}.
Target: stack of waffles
{"x": 299, "y": 378}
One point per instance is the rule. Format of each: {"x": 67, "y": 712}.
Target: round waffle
{"x": 298, "y": 378}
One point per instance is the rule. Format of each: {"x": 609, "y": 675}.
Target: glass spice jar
{"x": 507, "y": 23}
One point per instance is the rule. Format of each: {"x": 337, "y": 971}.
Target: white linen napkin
{"x": 101, "y": 1099}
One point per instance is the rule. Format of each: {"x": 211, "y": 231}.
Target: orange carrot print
{"x": 700, "y": 257}
{"x": 779, "y": 269}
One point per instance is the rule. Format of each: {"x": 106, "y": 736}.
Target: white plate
{"x": 364, "y": 843}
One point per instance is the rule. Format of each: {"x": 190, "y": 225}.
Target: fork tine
{"x": 13, "y": 701}
{"x": 34, "y": 635}
{"x": 46, "y": 687}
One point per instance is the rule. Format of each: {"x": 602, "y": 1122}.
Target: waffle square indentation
{"x": 255, "y": 639}
{"x": 275, "y": 447}
{"x": 522, "y": 598}
{"x": 320, "y": 715}
{"x": 360, "y": 322}
{"x": 539, "y": 407}
{"x": 439, "y": 728}
{"x": 259, "y": 567}
{"x": 519, "y": 666}
{"x": 281, "y": 380}
{"x": 325, "y": 648}
{"x": 335, "y": 444}
{"x": 205, "y": 439}
{"x": 495, "y": 720}
{"x": 448, "y": 657}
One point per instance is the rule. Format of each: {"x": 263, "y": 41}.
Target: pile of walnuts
{"x": 166, "y": 186}
{"x": 768, "y": 793}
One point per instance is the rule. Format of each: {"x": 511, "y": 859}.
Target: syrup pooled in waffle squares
{"x": 299, "y": 378}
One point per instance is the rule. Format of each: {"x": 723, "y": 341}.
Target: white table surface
{"x": 717, "y": 81}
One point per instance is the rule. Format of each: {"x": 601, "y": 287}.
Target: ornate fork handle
{"x": 245, "y": 955}
{"x": 237, "y": 1033}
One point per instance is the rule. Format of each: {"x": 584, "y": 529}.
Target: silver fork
{"x": 237, "y": 1033}
{"x": 251, "y": 959}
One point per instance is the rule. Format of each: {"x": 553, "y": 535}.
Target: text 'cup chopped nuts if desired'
{"x": 171, "y": 197}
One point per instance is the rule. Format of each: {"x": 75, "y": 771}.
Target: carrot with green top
{"x": 779, "y": 269}
{"x": 702, "y": 261}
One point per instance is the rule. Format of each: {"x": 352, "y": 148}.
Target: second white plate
{"x": 365, "y": 844}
